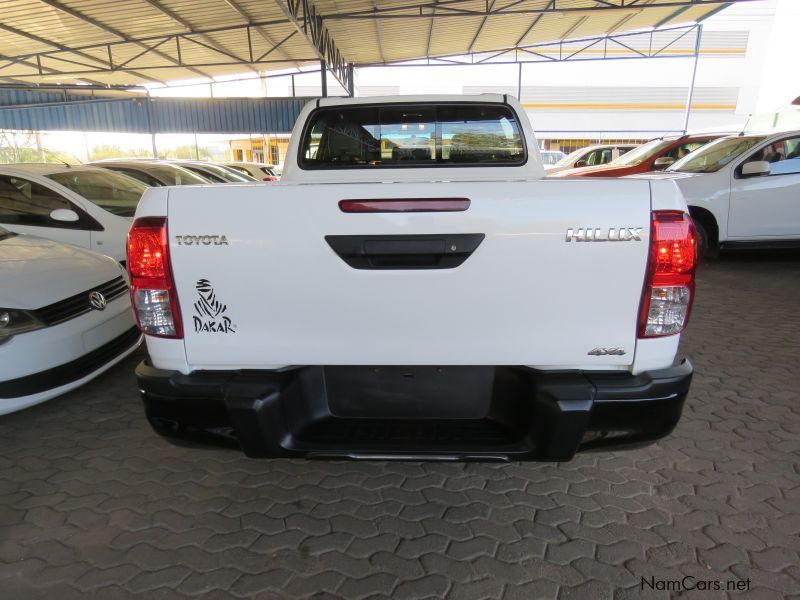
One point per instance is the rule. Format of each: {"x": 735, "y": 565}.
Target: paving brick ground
{"x": 92, "y": 504}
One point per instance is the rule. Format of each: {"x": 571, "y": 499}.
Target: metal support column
{"x": 351, "y": 82}
{"x": 690, "y": 96}
{"x": 150, "y": 124}
{"x": 323, "y": 74}
{"x": 519, "y": 83}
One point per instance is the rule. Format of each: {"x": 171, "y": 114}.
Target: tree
{"x": 189, "y": 152}
{"x": 106, "y": 151}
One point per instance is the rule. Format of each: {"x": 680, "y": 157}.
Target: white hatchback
{"x": 260, "y": 171}
{"x": 84, "y": 206}
{"x": 65, "y": 317}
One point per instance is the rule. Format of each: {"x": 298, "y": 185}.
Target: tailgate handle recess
{"x": 444, "y": 251}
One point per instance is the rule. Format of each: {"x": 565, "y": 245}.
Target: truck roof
{"x": 426, "y": 98}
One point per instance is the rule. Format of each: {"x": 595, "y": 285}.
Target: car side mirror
{"x": 64, "y": 215}
{"x": 581, "y": 163}
{"x": 755, "y": 168}
{"x": 662, "y": 162}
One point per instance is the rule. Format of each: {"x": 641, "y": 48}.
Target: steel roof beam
{"x": 430, "y": 31}
{"x": 209, "y": 42}
{"x": 481, "y": 26}
{"x": 61, "y": 47}
{"x": 306, "y": 19}
{"x": 115, "y": 32}
{"x": 238, "y": 9}
{"x": 423, "y": 10}
{"x": 535, "y": 22}
{"x": 306, "y": 59}
{"x": 556, "y": 51}
{"x": 378, "y": 33}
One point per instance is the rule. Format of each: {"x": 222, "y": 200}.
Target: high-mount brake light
{"x": 404, "y": 205}
{"x": 669, "y": 287}
{"x": 153, "y": 295}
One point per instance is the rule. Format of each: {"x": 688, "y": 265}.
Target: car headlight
{"x": 14, "y": 321}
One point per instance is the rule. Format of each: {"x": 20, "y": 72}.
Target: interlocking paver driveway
{"x": 92, "y": 504}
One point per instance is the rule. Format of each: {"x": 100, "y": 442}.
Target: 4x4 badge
{"x": 606, "y": 352}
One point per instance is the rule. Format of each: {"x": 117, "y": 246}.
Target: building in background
{"x": 267, "y": 148}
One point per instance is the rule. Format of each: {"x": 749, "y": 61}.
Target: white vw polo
{"x": 81, "y": 205}
{"x": 65, "y": 317}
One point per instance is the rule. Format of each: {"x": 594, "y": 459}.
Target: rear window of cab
{"x": 412, "y": 135}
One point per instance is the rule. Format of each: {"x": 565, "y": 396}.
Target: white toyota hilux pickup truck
{"x": 414, "y": 289}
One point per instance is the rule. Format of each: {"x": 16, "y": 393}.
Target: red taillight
{"x": 155, "y": 302}
{"x": 669, "y": 288}
{"x": 404, "y": 205}
{"x": 270, "y": 179}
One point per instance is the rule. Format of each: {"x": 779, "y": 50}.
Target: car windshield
{"x": 570, "y": 158}
{"x": 174, "y": 175}
{"x": 240, "y": 176}
{"x": 712, "y": 157}
{"x": 641, "y": 153}
{"x": 224, "y": 173}
{"x": 551, "y": 157}
{"x": 116, "y": 193}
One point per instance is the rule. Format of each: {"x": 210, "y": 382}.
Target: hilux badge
{"x": 612, "y": 234}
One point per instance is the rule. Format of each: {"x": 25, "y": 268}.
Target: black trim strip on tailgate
{"x": 385, "y": 252}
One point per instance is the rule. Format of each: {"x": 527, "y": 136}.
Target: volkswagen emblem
{"x": 97, "y": 300}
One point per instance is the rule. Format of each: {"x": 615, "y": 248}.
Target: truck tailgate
{"x": 277, "y": 293}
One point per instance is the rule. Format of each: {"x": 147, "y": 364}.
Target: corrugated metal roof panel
{"x": 33, "y": 27}
{"x": 166, "y": 115}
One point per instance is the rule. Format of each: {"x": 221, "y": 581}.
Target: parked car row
{"x": 91, "y": 205}
{"x": 743, "y": 191}
{"x": 156, "y": 173}
{"x": 67, "y": 317}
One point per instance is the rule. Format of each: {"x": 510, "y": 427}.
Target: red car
{"x": 655, "y": 155}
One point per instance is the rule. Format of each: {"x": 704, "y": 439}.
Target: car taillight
{"x": 155, "y": 302}
{"x": 270, "y": 179}
{"x": 669, "y": 288}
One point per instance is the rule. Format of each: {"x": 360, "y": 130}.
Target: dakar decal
{"x": 210, "y": 317}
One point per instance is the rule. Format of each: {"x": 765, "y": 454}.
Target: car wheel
{"x": 704, "y": 251}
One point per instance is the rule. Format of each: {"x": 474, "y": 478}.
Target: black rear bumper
{"x": 444, "y": 413}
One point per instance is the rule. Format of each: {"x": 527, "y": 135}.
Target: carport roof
{"x": 126, "y": 42}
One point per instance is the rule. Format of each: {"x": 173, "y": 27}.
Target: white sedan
{"x": 589, "y": 156}
{"x": 84, "y": 206}
{"x": 65, "y": 317}
{"x": 743, "y": 191}
{"x": 260, "y": 171}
